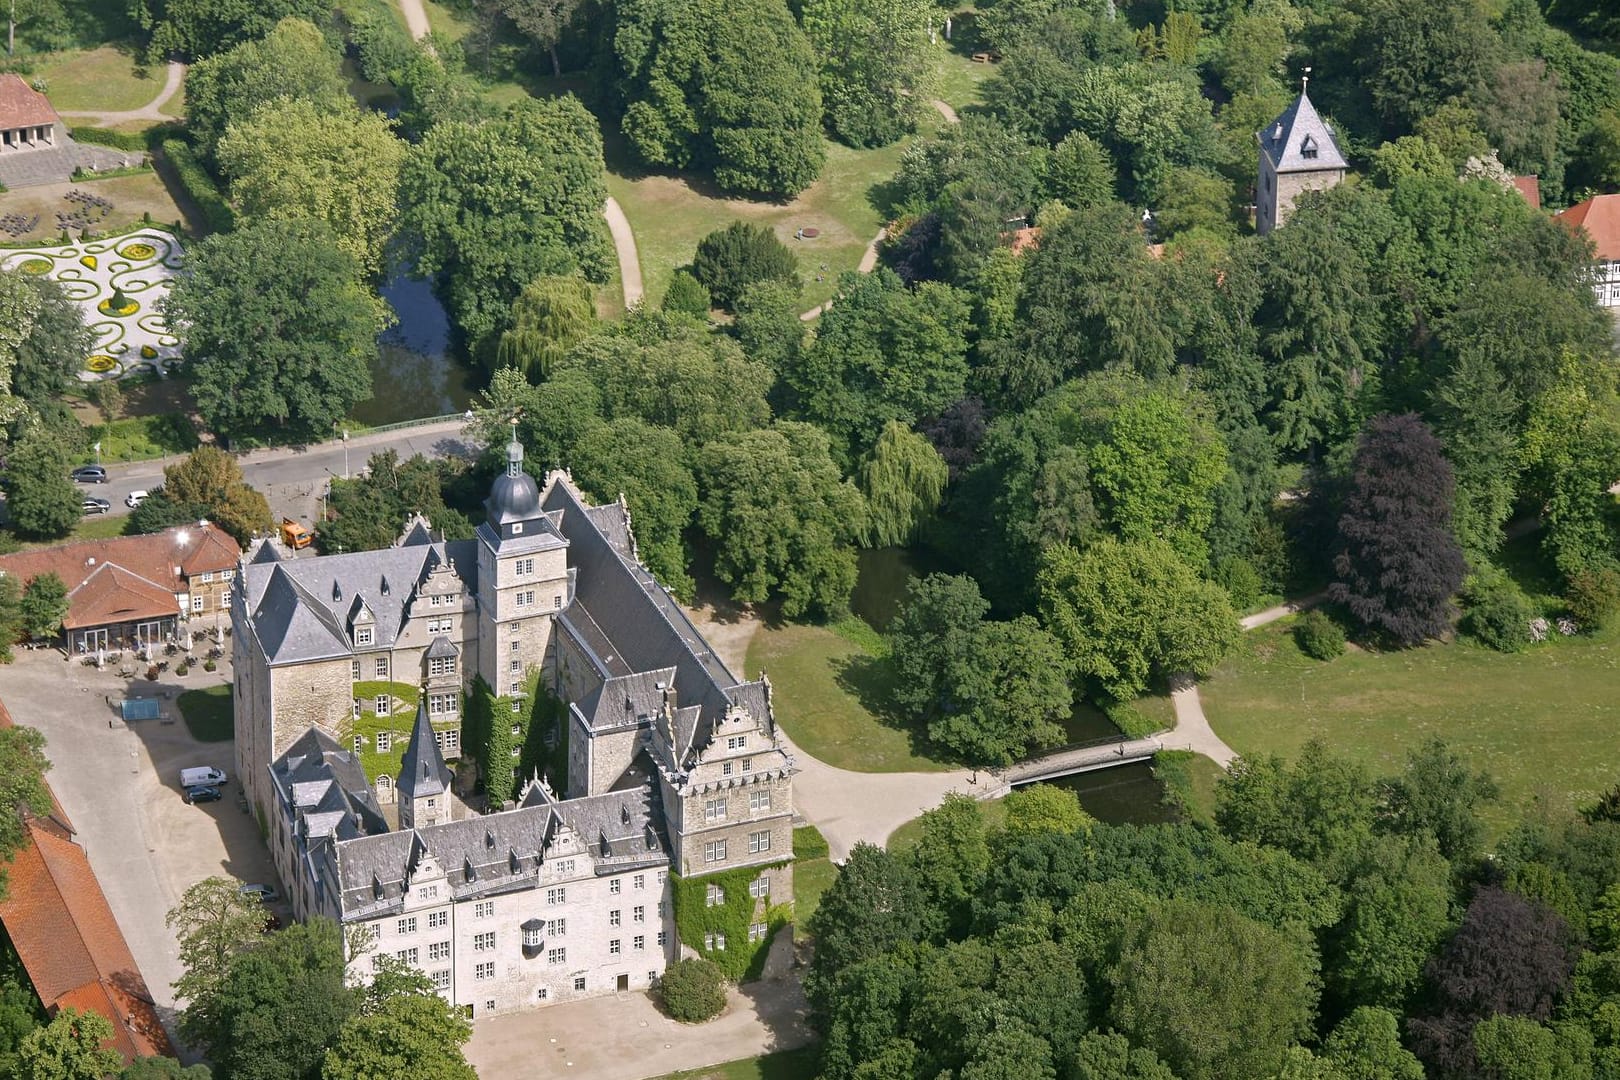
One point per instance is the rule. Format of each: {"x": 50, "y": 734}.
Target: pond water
{"x": 1124, "y": 795}
{"x": 420, "y": 369}
{"x": 883, "y": 576}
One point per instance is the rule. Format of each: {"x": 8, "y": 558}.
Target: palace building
{"x": 674, "y": 768}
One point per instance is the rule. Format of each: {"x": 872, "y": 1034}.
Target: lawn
{"x": 208, "y": 714}
{"x": 131, "y": 196}
{"x": 110, "y": 78}
{"x": 141, "y": 438}
{"x": 1545, "y": 722}
{"x": 960, "y": 79}
{"x": 801, "y": 1064}
{"x": 822, "y": 686}
{"x": 813, "y": 873}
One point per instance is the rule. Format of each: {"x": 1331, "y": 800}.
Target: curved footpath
{"x": 148, "y": 112}
{"x": 624, "y": 243}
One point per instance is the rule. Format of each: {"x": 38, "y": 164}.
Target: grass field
{"x": 141, "y": 438}
{"x": 110, "y": 78}
{"x": 132, "y": 196}
{"x": 1545, "y": 722}
{"x": 800, "y": 1064}
{"x": 208, "y": 714}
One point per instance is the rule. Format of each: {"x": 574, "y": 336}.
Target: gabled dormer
{"x": 362, "y": 623}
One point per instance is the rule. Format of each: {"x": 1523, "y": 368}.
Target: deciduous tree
{"x": 200, "y": 28}
{"x": 43, "y": 501}
{"x": 904, "y": 480}
{"x": 293, "y": 62}
{"x": 403, "y": 1028}
{"x": 647, "y": 465}
{"x": 71, "y": 1047}
{"x": 877, "y": 65}
{"x": 44, "y": 606}
{"x": 209, "y": 485}
{"x": 550, "y": 316}
{"x": 213, "y": 923}
{"x": 56, "y": 341}
{"x": 1366, "y": 1045}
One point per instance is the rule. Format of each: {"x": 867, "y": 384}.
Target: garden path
{"x": 151, "y": 111}
{"x": 624, "y": 242}
{"x": 946, "y": 111}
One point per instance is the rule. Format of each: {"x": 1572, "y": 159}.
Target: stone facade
{"x": 1298, "y": 153}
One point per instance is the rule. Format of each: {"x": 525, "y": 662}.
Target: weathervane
{"x": 1305, "y": 80}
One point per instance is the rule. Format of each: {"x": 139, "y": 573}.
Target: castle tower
{"x": 522, "y": 578}
{"x": 1297, "y": 153}
{"x": 423, "y": 788}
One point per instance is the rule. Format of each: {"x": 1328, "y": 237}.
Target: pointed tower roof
{"x": 422, "y": 771}
{"x": 1300, "y": 140}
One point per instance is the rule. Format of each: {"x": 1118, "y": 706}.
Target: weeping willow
{"x": 549, "y": 317}
{"x": 904, "y": 480}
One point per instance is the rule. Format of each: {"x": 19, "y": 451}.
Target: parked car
{"x": 262, "y": 893}
{"x": 89, "y": 474}
{"x": 203, "y": 794}
{"x": 202, "y": 776}
{"x": 135, "y": 498}
{"x": 93, "y": 505}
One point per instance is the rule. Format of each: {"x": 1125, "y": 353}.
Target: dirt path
{"x": 624, "y": 243}
{"x": 416, "y": 20}
{"x": 865, "y": 266}
{"x": 946, "y": 111}
{"x": 150, "y": 111}
{"x": 1281, "y": 611}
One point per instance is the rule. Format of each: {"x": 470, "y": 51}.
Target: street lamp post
{"x": 97, "y": 448}
{"x": 345, "y": 453}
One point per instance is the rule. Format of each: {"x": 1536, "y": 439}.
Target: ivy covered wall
{"x": 696, "y": 920}
{"x": 511, "y": 746}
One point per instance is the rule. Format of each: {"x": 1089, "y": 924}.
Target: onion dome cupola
{"x": 513, "y": 506}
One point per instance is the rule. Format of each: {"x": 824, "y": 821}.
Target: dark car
{"x": 89, "y": 474}
{"x": 203, "y": 794}
{"x": 93, "y": 505}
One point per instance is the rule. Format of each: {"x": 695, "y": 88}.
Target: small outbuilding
{"x": 27, "y": 120}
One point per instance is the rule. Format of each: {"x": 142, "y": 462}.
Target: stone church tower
{"x": 1297, "y": 153}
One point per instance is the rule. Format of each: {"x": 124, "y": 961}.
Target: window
{"x": 556, "y": 896}
{"x": 613, "y": 917}
{"x": 382, "y": 667}
{"x": 714, "y": 942}
{"x": 639, "y": 881}
{"x": 206, "y": 576}
{"x": 725, "y": 768}
{"x": 442, "y": 665}
{"x": 556, "y": 956}
{"x": 435, "y": 601}
{"x": 759, "y": 841}
{"x": 225, "y": 598}
{"x": 613, "y": 887}
{"x": 441, "y": 979}
{"x": 542, "y": 994}
{"x": 437, "y": 919}
{"x": 564, "y": 866}
{"x": 714, "y": 810}
{"x": 756, "y": 932}
{"x": 483, "y": 973}
{"x": 557, "y": 928}
{"x": 638, "y": 913}
{"x": 489, "y": 1005}
{"x": 515, "y": 646}
{"x": 525, "y": 598}
{"x": 747, "y": 764}
{"x": 196, "y": 601}
{"x": 663, "y": 939}
{"x": 737, "y": 742}
{"x": 484, "y": 909}
{"x": 439, "y": 950}
{"x": 406, "y": 926}
{"x": 524, "y": 567}
{"x": 714, "y": 896}
{"x": 227, "y": 575}
{"x": 663, "y": 876}
{"x": 517, "y": 706}
{"x": 407, "y": 956}
{"x": 429, "y": 892}
{"x": 484, "y": 942}
{"x": 759, "y": 800}
{"x": 556, "y": 601}
{"x": 516, "y": 666}
{"x": 362, "y": 635}
{"x": 579, "y": 983}
{"x": 431, "y": 803}
{"x": 444, "y": 704}
{"x": 517, "y": 688}
{"x": 517, "y": 751}
{"x": 359, "y": 743}
{"x": 760, "y": 888}
{"x": 613, "y": 947}
{"x": 452, "y": 741}
{"x": 382, "y": 704}
{"x": 354, "y": 670}
{"x": 385, "y": 741}
{"x": 639, "y": 943}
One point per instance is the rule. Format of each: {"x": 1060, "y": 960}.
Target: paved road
{"x": 151, "y": 111}
{"x": 285, "y": 471}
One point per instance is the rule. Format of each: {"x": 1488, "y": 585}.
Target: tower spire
{"x": 514, "y": 451}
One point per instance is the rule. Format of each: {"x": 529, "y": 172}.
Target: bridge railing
{"x": 424, "y": 421}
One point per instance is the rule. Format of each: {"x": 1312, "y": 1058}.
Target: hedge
{"x": 118, "y": 140}
{"x": 199, "y": 185}
{"x": 741, "y": 959}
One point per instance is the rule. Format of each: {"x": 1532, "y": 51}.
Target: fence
{"x": 421, "y": 422}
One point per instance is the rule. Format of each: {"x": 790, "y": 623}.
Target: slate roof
{"x": 626, "y": 700}
{"x": 23, "y": 106}
{"x": 302, "y": 608}
{"x": 1600, "y": 217}
{"x": 422, "y": 770}
{"x": 1286, "y": 139}
{"x": 327, "y": 789}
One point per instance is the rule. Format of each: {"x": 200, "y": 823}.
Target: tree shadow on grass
{"x": 870, "y": 681}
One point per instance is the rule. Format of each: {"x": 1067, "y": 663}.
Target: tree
{"x": 1438, "y": 794}
{"x": 56, "y": 342}
{"x": 1080, "y": 172}
{"x": 22, "y": 784}
{"x": 207, "y": 485}
{"x": 687, "y": 295}
{"x": 278, "y": 331}
{"x": 951, "y": 857}
{"x": 693, "y": 990}
{"x": 11, "y": 620}
{"x": 931, "y": 640}
{"x": 1321, "y": 808}
{"x": 368, "y": 513}
{"x": 1212, "y": 993}
{"x": 1127, "y": 612}
{"x": 1571, "y": 442}
{"x": 535, "y": 178}
{"x": 884, "y": 352}
{"x": 1513, "y": 1048}
{"x": 164, "y": 1068}
{"x": 780, "y": 518}
{"x": 44, "y": 606}
{"x": 1366, "y": 1045}
{"x": 550, "y": 316}
{"x": 543, "y": 22}
{"x": 767, "y": 323}
{"x": 1042, "y": 808}
{"x": 875, "y": 904}
{"x": 282, "y": 1004}
{"x": 903, "y": 479}
{"x": 876, "y": 66}
{"x": 403, "y": 1028}
{"x": 729, "y": 260}
{"x": 1399, "y": 564}
{"x": 729, "y": 87}
{"x": 213, "y": 923}
{"x": 201, "y": 28}
{"x": 647, "y": 466}
{"x": 1112, "y": 1057}
{"x": 296, "y": 161}
{"x": 1397, "y": 910}
{"x": 1476, "y": 417}
{"x": 1013, "y": 698}
{"x": 71, "y": 1047}
{"x": 42, "y": 500}
{"x": 293, "y": 62}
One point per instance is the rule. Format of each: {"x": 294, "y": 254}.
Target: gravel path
{"x": 151, "y": 110}
{"x": 624, "y": 243}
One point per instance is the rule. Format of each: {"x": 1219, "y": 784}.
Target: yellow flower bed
{"x": 148, "y": 352}
{"x": 101, "y": 363}
{"x": 137, "y": 251}
{"x": 106, "y": 308}
{"x": 88, "y": 260}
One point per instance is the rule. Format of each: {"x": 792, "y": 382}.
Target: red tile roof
{"x": 1026, "y": 239}
{"x": 69, "y": 943}
{"x": 112, "y": 594}
{"x": 23, "y": 106}
{"x": 1600, "y": 217}
{"x": 1530, "y": 188}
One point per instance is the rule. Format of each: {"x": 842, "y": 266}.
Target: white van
{"x": 202, "y": 776}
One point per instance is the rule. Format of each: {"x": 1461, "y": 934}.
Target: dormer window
{"x": 362, "y": 635}
{"x": 1307, "y": 149}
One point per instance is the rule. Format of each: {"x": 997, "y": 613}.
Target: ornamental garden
{"x": 118, "y": 281}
